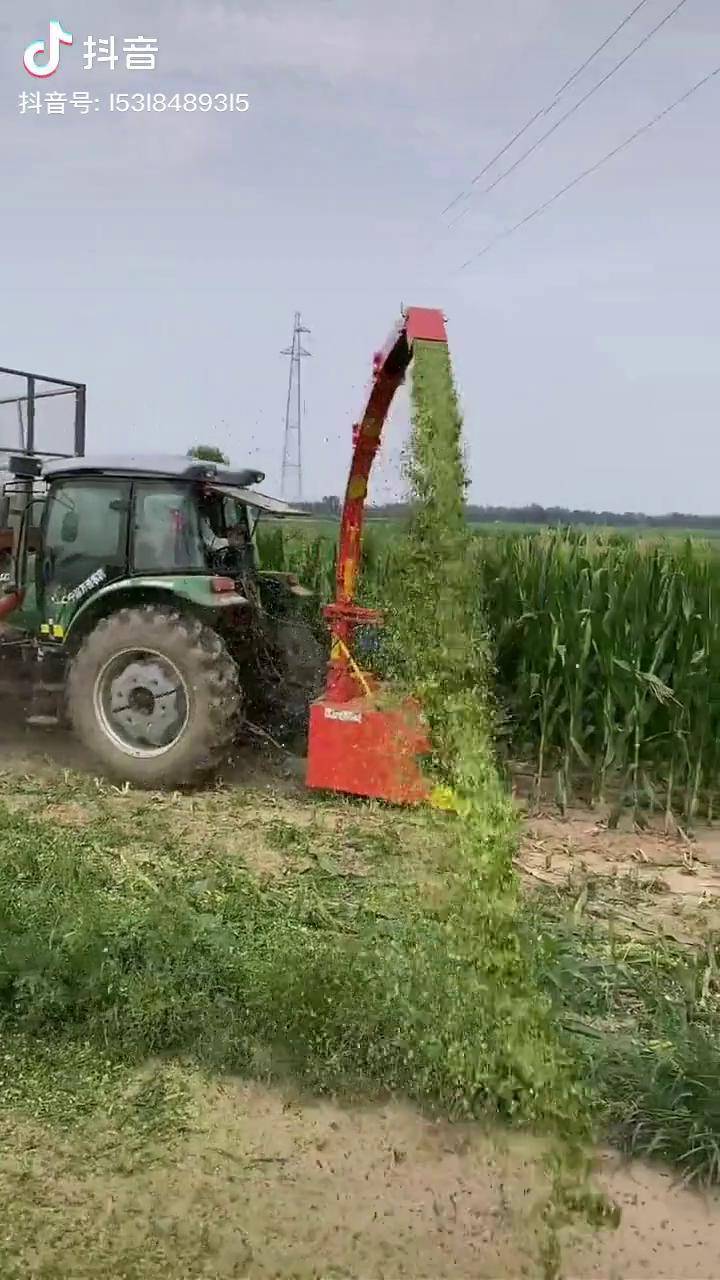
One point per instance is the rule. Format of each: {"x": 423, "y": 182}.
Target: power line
{"x": 576, "y": 107}
{"x": 601, "y": 47}
{"x": 543, "y": 111}
{"x": 541, "y": 208}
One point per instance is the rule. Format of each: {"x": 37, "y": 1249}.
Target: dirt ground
{"x": 267, "y": 1184}
{"x": 666, "y": 883}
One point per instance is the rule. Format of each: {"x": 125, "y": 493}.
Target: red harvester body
{"x": 361, "y": 742}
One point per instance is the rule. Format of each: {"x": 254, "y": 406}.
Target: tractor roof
{"x": 169, "y": 467}
{"x": 222, "y": 479}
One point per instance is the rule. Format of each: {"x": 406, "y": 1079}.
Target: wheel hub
{"x": 142, "y": 703}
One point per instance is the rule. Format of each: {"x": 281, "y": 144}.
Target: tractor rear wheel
{"x": 154, "y": 695}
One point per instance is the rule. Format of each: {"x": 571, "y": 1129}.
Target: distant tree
{"x": 330, "y": 505}
{"x": 208, "y": 453}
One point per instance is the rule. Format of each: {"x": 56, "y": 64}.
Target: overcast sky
{"x": 160, "y": 257}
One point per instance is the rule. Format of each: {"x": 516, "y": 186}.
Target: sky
{"x": 160, "y": 256}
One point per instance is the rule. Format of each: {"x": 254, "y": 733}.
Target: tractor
{"x": 135, "y": 609}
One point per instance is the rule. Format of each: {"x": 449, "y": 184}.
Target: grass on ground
{"x": 291, "y": 939}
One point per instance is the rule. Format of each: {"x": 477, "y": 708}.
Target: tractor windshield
{"x": 186, "y": 528}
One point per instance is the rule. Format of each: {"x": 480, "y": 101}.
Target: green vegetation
{"x": 533, "y": 516}
{"x": 597, "y": 654}
{"x": 608, "y": 656}
{"x": 439, "y": 652}
{"x": 606, "y": 652}
{"x": 148, "y": 942}
{"x": 131, "y": 933}
{"x": 644, "y": 1018}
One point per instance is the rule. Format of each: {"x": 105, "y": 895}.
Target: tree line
{"x": 533, "y": 514}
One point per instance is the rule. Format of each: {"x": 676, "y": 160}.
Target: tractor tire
{"x": 302, "y": 665}
{"x": 120, "y": 690}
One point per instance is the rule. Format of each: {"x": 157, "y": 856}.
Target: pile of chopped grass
{"x": 342, "y": 983}
{"x": 340, "y": 986}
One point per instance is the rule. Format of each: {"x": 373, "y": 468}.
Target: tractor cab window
{"x": 85, "y": 535}
{"x": 188, "y": 529}
{"x": 226, "y": 534}
{"x": 166, "y": 529}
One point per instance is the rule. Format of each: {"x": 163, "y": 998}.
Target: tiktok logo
{"x": 51, "y": 52}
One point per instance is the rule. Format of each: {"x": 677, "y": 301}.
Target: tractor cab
{"x": 137, "y": 524}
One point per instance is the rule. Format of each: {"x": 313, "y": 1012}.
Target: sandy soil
{"x": 273, "y": 1186}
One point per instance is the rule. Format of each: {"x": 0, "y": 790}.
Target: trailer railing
{"x": 41, "y": 416}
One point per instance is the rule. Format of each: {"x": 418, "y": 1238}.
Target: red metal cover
{"x": 366, "y": 751}
{"x": 425, "y": 324}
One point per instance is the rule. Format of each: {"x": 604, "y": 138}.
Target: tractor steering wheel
{"x": 225, "y": 561}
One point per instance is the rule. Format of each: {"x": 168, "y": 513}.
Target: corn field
{"x": 607, "y": 654}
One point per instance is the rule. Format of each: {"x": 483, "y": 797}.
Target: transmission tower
{"x": 292, "y": 443}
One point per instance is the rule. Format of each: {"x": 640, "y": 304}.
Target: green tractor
{"x": 135, "y": 608}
